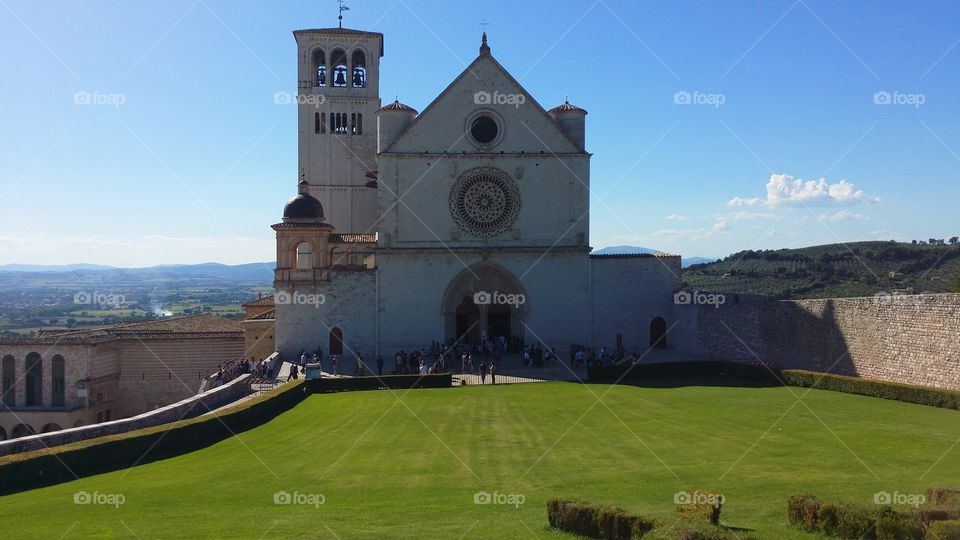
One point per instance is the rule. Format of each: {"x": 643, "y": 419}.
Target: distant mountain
{"x": 690, "y": 261}
{"x": 52, "y": 267}
{"x": 832, "y": 270}
{"x": 635, "y": 250}
{"x": 624, "y": 250}
{"x": 262, "y": 271}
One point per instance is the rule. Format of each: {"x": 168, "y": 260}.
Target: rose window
{"x": 484, "y": 201}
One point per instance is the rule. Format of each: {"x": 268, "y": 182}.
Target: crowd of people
{"x": 261, "y": 369}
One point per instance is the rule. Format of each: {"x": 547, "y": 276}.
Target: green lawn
{"x": 391, "y": 468}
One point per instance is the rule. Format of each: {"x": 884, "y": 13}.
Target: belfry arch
{"x": 485, "y": 300}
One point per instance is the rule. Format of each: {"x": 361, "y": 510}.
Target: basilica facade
{"x": 466, "y": 221}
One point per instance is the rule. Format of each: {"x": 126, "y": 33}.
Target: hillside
{"x": 833, "y": 270}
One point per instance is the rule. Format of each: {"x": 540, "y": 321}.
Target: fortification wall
{"x": 912, "y": 339}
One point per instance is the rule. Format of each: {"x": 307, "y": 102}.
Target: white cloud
{"x": 748, "y": 216}
{"x": 675, "y": 217}
{"x": 842, "y": 215}
{"x": 718, "y": 229}
{"x": 785, "y": 190}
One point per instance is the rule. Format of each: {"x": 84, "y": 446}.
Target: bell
{"x": 339, "y": 79}
{"x": 357, "y": 78}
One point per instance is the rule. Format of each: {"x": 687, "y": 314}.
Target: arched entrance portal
{"x": 336, "y": 341}
{"x": 484, "y": 300}
{"x": 658, "y": 333}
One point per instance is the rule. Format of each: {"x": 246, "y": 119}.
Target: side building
{"x": 67, "y": 378}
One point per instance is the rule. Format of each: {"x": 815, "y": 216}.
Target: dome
{"x": 397, "y": 106}
{"x": 566, "y": 107}
{"x": 303, "y": 207}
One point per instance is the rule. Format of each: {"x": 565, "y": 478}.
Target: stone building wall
{"x": 912, "y": 339}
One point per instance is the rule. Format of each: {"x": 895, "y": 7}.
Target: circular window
{"x": 484, "y": 129}
{"x": 484, "y": 201}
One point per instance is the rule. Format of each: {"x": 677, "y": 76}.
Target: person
{"x": 379, "y": 364}
{"x": 483, "y": 372}
{"x": 493, "y": 373}
{"x": 333, "y": 359}
{"x": 303, "y": 358}
{"x": 293, "y": 371}
{"x": 423, "y": 367}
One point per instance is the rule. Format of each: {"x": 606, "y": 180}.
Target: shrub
{"x": 796, "y": 509}
{"x": 899, "y": 525}
{"x": 939, "y": 513}
{"x": 855, "y": 521}
{"x": 944, "y": 530}
{"x": 702, "y": 504}
{"x": 943, "y": 496}
{"x": 922, "y": 395}
{"x": 828, "y": 517}
{"x": 698, "y": 530}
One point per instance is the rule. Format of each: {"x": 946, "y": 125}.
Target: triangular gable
{"x": 526, "y": 126}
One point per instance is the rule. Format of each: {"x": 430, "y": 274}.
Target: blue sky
{"x": 711, "y": 123}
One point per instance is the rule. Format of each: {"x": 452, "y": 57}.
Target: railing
{"x": 353, "y": 238}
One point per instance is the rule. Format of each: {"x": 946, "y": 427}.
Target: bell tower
{"x": 338, "y": 85}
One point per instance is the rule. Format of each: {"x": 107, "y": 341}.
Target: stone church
{"x": 464, "y": 221}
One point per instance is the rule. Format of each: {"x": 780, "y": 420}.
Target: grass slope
{"x": 833, "y": 270}
{"x": 410, "y": 468}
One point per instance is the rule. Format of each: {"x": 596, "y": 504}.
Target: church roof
{"x": 204, "y": 325}
{"x": 303, "y": 207}
{"x": 566, "y": 107}
{"x": 484, "y": 55}
{"x": 397, "y": 106}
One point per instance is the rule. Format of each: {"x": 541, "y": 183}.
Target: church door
{"x": 658, "y": 333}
{"x": 498, "y": 320}
{"x": 468, "y": 321}
{"x": 336, "y": 341}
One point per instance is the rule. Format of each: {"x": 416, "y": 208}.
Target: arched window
{"x": 3, "y": 434}
{"x": 34, "y": 379}
{"x": 319, "y": 68}
{"x": 47, "y": 428}
{"x": 336, "y": 341}
{"x": 323, "y": 122}
{"x": 304, "y": 256}
{"x": 57, "y": 399}
{"x": 338, "y": 59}
{"x": 316, "y": 122}
{"x": 21, "y": 430}
{"x": 359, "y": 78}
{"x": 359, "y": 124}
{"x": 9, "y": 380}
{"x": 353, "y": 123}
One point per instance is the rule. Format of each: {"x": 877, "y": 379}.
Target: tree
{"x": 954, "y": 241}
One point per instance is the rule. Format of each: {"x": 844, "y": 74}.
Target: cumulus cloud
{"x": 842, "y": 215}
{"x": 785, "y": 190}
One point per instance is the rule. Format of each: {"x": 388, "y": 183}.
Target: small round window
{"x": 484, "y": 129}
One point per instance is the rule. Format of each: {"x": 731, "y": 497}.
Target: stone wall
{"x": 188, "y": 408}
{"x": 912, "y": 339}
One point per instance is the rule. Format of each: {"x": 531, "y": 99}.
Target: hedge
{"x": 763, "y": 373}
{"x": 49, "y": 466}
{"x": 846, "y": 520}
{"x": 631, "y": 373}
{"x": 922, "y": 395}
{"x": 605, "y": 522}
{"x": 395, "y": 382}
